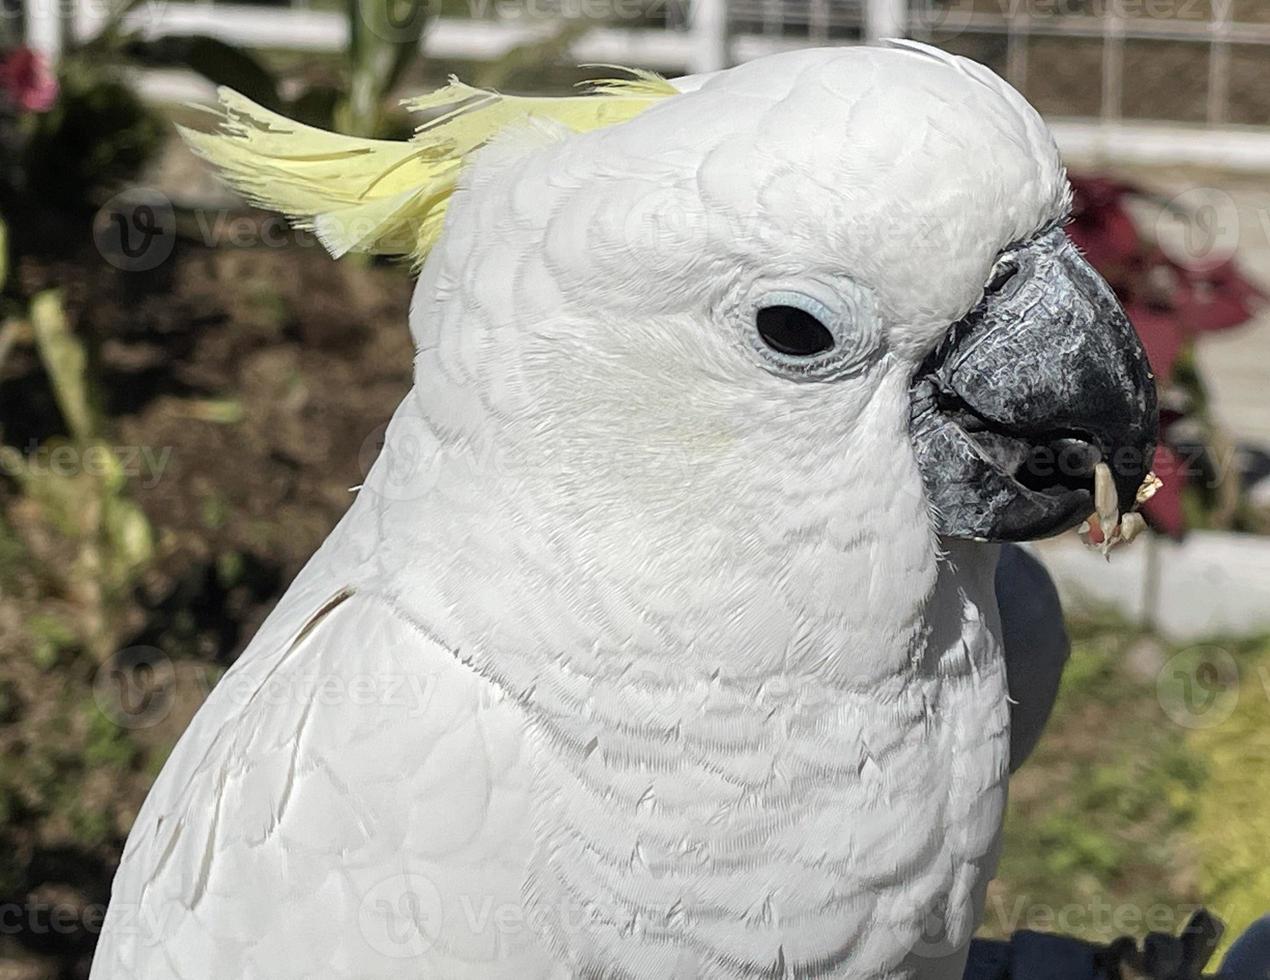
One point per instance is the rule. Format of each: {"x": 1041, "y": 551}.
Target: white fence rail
{"x": 1219, "y": 46}
{"x": 1213, "y": 584}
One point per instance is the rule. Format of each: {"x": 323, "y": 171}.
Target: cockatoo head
{"x": 741, "y": 289}
{"x": 751, "y": 288}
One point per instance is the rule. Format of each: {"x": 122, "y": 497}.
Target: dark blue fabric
{"x": 1037, "y": 956}
{"x": 989, "y": 960}
{"x": 1032, "y": 956}
{"x": 1249, "y": 956}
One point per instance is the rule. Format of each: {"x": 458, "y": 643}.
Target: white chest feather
{"x": 764, "y": 749}
{"x": 786, "y": 826}
{"x": 634, "y": 826}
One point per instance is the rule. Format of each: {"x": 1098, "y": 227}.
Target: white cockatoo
{"x": 661, "y": 640}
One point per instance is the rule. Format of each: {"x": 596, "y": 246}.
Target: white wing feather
{"x": 349, "y": 804}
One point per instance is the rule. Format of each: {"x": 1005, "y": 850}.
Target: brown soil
{"x": 262, "y": 374}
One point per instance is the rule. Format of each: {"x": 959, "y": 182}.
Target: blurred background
{"x": 188, "y": 390}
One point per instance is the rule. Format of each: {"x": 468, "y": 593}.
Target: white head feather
{"x": 585, "y": 332}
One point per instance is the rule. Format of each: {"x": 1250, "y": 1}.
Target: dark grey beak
{"x": 1036, "y": 385}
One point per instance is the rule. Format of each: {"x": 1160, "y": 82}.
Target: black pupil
{"x": 789, "y": 330}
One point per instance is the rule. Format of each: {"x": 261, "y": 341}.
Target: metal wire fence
{"x": 1202, "y": 64}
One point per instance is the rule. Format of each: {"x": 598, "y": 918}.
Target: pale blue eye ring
{"x": 802, "y": 337}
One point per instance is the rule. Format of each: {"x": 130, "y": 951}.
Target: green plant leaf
{"x": 129, "y": 537}
{"x": 66, "y": 362}
{"x": 383, "y": 41}
{"x": 111, "y": 30}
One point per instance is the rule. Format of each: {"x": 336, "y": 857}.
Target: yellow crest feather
{"x": 389, "y": 197}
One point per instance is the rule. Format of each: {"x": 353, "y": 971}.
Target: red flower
{"x": 1169, "y": 304}
{"x": 1103, "y": 230}
{"x": 27, "y": 81}
{"x": 1164, "y": 511}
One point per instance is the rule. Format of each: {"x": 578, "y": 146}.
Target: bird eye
{"x": 1003, "y": 270}
{"x": 793, "y": 332}
{"x": 814, "y": 331}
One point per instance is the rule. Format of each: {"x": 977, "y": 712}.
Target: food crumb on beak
{"x": 1106, "y": 500}
{"x": 1106, "y": 527}
{"x": 1150, "y": 486}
